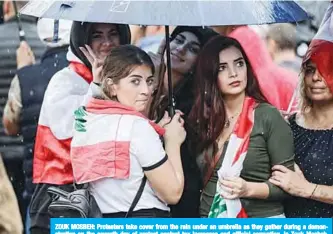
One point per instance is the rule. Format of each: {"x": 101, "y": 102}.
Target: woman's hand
{"x": 96, "y": 63}
{"x": 292, "y": 182}
{"x": 175, "y": 133}
{"x": 166, "y": 118}
{"x": 233, "y": 188}
{"x": 24, "y": 55}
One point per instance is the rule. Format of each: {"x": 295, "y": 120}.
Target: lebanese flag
{"x": 233, "y": 163}
{"x": 321, "y": 48}
{"x": 66, "y": 92}
{"x": 101, "y": 142}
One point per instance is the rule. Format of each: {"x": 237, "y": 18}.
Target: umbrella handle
{"x": 19, "y": 25}
{"x": 171, "y": 111}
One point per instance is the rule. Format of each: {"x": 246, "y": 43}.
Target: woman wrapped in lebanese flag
{"x": 116, "y": 148}
{"x": 67, "y": 90}
{"x": 239, "y": 136}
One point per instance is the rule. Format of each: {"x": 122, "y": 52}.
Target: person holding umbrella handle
{"x": 24, "y": 55}
{"x": 186, "y": 42}
{"x": 127, "y": 82}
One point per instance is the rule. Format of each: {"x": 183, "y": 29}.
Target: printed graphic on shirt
{"x": 80, "y": 120}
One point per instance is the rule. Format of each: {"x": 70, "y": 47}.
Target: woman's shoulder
{"x": 123, "y": 124}
{"x": 142, "y": 127}
{"x": 268, "y": 114}
{"x": 68, "y": 79}
{"x": 267, "y": 109}
{"x": 292, "y": 118}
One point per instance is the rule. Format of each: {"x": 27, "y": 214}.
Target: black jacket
{"x": 188, "y": 206}
{"x": 11, "y": 148}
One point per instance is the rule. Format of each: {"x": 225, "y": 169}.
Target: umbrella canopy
{"x": 190, "y": 13}
{"x": 181, "y": 12}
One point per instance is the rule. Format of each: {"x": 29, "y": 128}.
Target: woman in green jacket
{"x": 239, "y": 136}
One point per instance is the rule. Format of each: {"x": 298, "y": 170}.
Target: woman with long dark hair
{"x": 238, "y": 136}
{"x": 186, "y": 44}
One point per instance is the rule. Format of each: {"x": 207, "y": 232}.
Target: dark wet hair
{"x": 208, "y": 113}
{"x": 81, "y": 36}
{"x": 160, "y": 102}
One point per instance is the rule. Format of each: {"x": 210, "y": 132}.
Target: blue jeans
{"x": 27, "y": 221}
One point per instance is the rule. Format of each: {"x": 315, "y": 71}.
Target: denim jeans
{"x": 27, "y": 222}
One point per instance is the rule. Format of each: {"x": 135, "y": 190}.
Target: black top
{"x": 188, "y": 205}
{"x": 314, "y": 155}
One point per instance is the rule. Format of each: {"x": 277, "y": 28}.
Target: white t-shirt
{"x": 146, "y": 153}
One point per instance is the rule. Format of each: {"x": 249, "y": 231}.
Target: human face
{"x": 184, "y": 50}
{"x": 104, "y": 37}
{"x": 315, "y": 85}
{"x": 232, "y": 74}
{"x": 136, "y": 89}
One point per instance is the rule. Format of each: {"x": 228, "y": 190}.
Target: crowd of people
{"x": 252, "y": 134}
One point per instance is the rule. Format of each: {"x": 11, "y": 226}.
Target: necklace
{"x": 228, "y": 121}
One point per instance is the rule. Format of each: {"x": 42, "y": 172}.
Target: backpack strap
{"x": 137, "y": 197}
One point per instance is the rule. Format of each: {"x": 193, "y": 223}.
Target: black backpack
{"x": 80, "y": 203}
{"x": 77, "y": 204}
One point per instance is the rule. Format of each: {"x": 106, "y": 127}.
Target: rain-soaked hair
{"x": 120, "y": 63}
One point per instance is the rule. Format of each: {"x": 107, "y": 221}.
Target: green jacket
{"x": 271, "y": 143}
